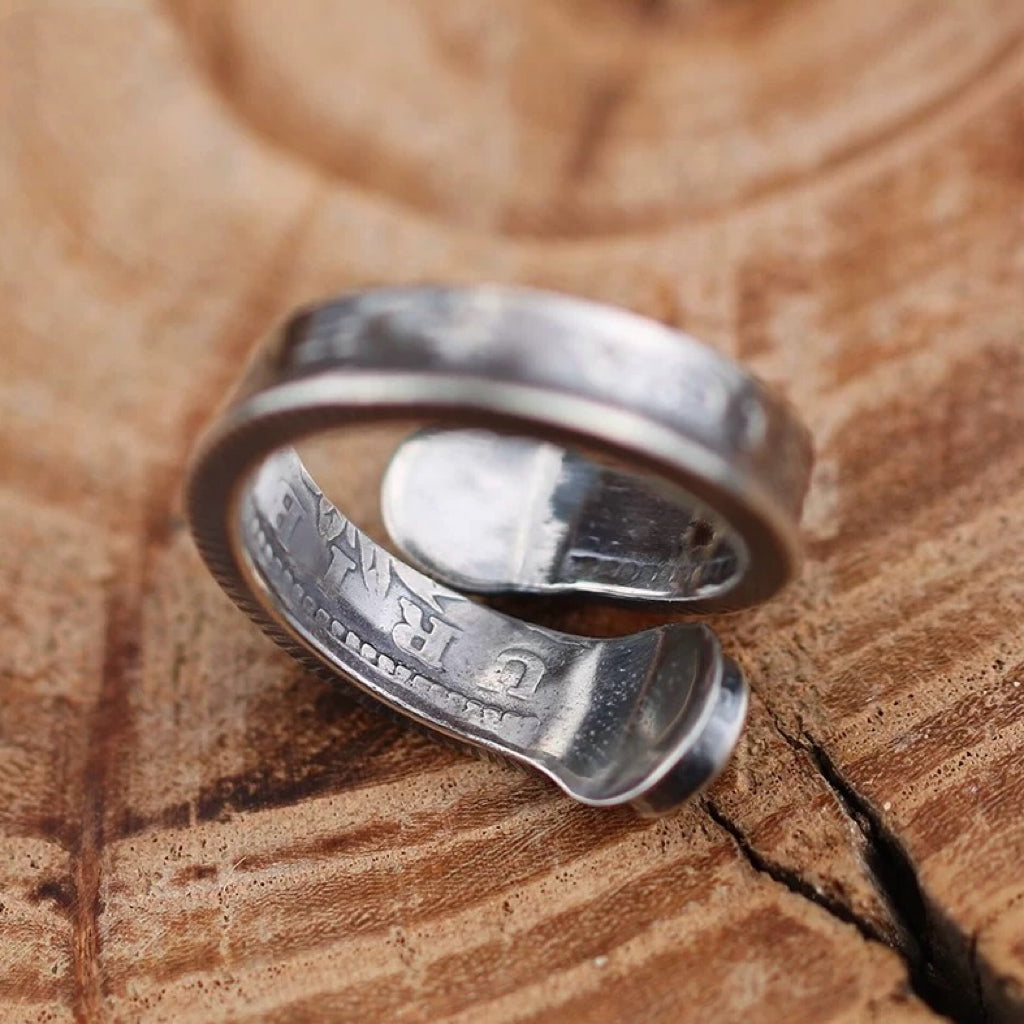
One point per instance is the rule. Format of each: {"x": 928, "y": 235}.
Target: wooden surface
{"x": 191, "y": 828}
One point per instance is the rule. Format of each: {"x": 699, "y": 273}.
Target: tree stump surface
{"x": 192, "y": 828}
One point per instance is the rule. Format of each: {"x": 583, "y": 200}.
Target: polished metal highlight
{"x": 688, "y": 495}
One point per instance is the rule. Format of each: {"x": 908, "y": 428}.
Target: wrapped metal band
{"x": 645, "y": 719}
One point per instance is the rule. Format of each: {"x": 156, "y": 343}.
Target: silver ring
{"x": 688, "y": 493}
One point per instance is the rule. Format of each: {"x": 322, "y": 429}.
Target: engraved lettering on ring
{"x": 421, "y": 635}
{"x": 376, "y": 567}
{"x": 285, "y": 512}
{"x": 518, "y": 673}
{"x": 329, "y": 521}
{"x": 341, "y": 565}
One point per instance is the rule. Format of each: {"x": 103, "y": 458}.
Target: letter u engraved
{"x": 518, "y": 673}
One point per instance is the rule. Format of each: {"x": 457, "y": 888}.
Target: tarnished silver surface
{"x": 700, "y": 507}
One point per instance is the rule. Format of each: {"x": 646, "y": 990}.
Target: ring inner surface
{"x": 490, "y": 513}
{"x": 600, "y": 715}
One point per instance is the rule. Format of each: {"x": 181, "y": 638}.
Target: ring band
{"x": 703, "y": 513}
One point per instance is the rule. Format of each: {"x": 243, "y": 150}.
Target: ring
{"x": 572, "y": 448}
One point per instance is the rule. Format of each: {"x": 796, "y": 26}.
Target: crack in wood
{"x": 940, "y": 967}
{"x": 789, "y": 878}
{"x": 943, "y": 964}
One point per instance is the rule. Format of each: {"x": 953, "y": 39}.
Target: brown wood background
{"x": 191, "y": 828}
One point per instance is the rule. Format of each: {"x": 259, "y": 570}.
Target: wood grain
{"x": 191, "y": 828}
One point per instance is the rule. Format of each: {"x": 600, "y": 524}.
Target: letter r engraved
{"x": 420, "y": 635}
